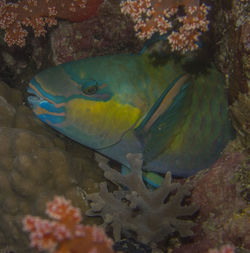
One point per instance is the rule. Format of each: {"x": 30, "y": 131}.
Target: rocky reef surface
{"x": 222, "y": 193}
{"x": 35, "y": 164}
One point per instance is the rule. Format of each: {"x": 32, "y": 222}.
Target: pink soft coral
{"x": 65, "y": 233}
{"x": 152, "y": 16}
{"x": 38, "y": 14}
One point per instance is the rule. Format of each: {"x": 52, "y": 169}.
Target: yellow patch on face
{"x": 82, "y": 75}
{"x": 108, "y": 119}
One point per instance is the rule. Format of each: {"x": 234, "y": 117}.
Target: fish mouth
{"x": 47, "y": 111}
{"x": 34, "y": 100}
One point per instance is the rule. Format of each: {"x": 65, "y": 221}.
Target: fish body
{"x": 127, "y": 104}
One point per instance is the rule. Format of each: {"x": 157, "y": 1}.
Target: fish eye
{"x": 91, "y": 90}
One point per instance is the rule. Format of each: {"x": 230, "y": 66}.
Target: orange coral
{"x": 65, "y": 233}
{"x": 39, "y": 13}
{"x": 152, "y": 16}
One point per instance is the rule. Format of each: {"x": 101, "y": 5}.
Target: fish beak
{"x": 50, "y": 113}
{"x": 34, "y": 100}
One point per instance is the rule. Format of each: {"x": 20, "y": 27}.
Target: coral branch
{"x": 152, "y": 215}
{"x": 163, "y": 16}
{"x": 38, "y": 14}
{"x": 64, "y": 233}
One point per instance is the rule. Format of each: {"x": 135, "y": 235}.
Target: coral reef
{"x": 240, "y": 111}
{"x": 151, "y": 16}
{"x": 37, "y": 14}
{"x": 35, "y": 164}
{"x": 223, "y": 249}
{"x": 108, "y": 32}
{"x": 231, "y": 27}
{"x": 224, "y": 213}
{"x": 65, "y": 233}
{"x": 152, "y": 215}
{"x": 130, "y": 245}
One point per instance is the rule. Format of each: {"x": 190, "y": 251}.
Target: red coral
{"x": 152, "y": 16}
{"x": 64, "y": 234}
{"x": 39, "y": 13}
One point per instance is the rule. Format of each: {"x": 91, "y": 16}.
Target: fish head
{"x": 87, "y": 101}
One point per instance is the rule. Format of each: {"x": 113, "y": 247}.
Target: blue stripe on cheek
{"x": 51, "y": 108}
{"x": 51, "y": 119}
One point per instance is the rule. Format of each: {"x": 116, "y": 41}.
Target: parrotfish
{"x": 123, "y": 104}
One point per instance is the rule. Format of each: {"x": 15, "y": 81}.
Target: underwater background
{"x": 194, "y": 214}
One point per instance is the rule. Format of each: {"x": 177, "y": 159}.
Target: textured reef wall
{"x": 35, "y": 163}
{"x": 34, "y": 166}
{"x": 222, "y": 193}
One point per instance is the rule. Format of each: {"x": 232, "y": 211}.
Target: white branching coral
{"x": 152, "y": 214}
